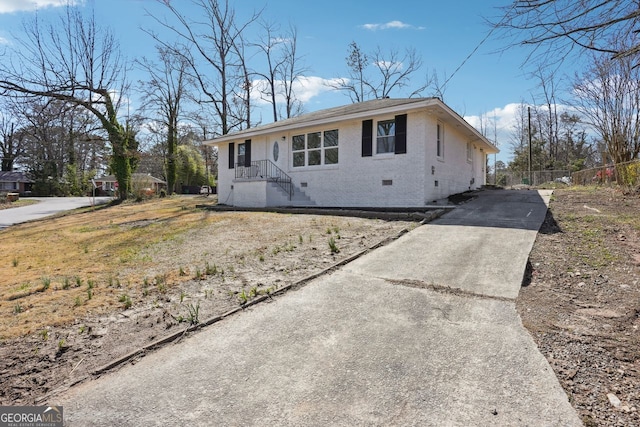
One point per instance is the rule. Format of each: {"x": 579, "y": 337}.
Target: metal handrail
{"x": 267, "y": 170}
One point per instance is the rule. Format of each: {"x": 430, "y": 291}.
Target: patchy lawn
{"x": 81, "y": 290}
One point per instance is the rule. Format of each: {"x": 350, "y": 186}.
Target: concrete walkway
{"x": 422, "y": 332}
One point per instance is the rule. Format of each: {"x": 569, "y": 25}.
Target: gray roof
{"x": 13, "y": 176}
{"x": 330, "y": 113}
{"x": 358, "y": 111}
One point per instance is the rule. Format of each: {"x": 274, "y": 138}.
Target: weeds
{"x": 210, "y": 271}
{"x": 90, "y": 286}
{"x": 44, "y": 334}
{"x": 243, "y": 297}
{"x": 17, "y": 309}
{"x": 333, "y": 247}
{"x": 77, "y": 302}
{"x": 126, "y": 301}
{"x": 194, "y": 312}
{"x": 46, "y": 283}
{"x": 182, "y": 273}
{"x": 67, "y": 284}
{"x": 14, "y": 262}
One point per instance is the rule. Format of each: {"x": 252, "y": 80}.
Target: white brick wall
{"x": 358, "y": 181}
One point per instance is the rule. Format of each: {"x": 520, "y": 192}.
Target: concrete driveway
{"x": 421, "y": 332}
{"x": 45, "y": 207}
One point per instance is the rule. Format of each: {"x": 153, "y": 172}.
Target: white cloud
{"x": 304, "y": 88}
{"x": 395, "y": 25}
{"x": 4, "y": 40}
{"x": 9, "y": 6}
{"x": 506, "y": 119}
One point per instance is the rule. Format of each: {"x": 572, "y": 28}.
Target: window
{"x": 386, "y": 139}
{"x": 241, "y": 153}
{"x": 315, "y": 148}
{"x": 8, "y": 185}
{"x": 330, "y": 147}
{"x": 469, "y": 152}
{"x": 440, "y": 140}
{"x": 391, "y": 136}
{"x": 298, "y": 148}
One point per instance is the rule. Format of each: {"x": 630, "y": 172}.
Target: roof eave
{"x": 286, "y": 127}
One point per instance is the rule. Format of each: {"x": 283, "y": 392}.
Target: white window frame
{"x": 469, "y": 152}
{"x": 440, "y": 140}
{"x": 392, "y": 149}
{"x": 322, "y": 148}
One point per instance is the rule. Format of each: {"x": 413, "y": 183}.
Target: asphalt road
{"x": 45, "y": 207}
{"x": 421, "y": 332}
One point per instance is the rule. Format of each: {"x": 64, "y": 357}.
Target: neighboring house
{"x": 380, "y": 153}
{"x": 140, "y": 181}
{"x": 15, "y": 182}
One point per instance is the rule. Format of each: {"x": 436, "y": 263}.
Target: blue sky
{"x": 443, "y": 33}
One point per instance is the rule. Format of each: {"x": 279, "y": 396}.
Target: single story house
{"x": 14, "y": 182}
{"x": 143, "y": 181}
{"x": 381, "y": 153}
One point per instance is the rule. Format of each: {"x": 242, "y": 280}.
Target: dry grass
{"x": 59, "y": 269}
{"x": 5, "y": 204}
{"x": 90, "y": 263}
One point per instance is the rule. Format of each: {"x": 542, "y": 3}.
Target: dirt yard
{"x": 80, "y": 291}
{"x": 582, "y": 301}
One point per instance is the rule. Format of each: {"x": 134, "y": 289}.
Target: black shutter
{"x": 247, "y": 153}
{"x": 367, "y": 138}
{"x": 401, "y": 134}
{"x": 232, "y": 153}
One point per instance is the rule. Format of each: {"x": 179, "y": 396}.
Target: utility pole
{"x": 530, "y": 149}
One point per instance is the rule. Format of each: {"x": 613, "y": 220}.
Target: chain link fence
{"x": 534, "y": 178}
{"x": 626, "y": 175}
{"x": 623, "y": 174}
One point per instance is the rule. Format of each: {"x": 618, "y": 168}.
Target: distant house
{"x": 145, "y": 182}
{"x": 380, "y": 153}
{"x": 15, "y": 182}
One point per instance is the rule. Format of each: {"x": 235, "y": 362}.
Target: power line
{"x": 477, "y": 47}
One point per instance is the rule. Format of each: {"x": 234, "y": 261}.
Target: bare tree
{"x": 164, "y": 93}
{"x": 290, "y": 72}
{"x": 211, "y": 44}
{"x": 11, "y": 136}
{"x": 75, "y": 62}
{"x": 61, "y": 149}
{"x": 391, "y": 72}
{"x": 547, "y": 83}
{"x": 268, "y": 46}
{"x": 558, "y": 26}
{"x": 608, "y": 97}
{"x": 395, "y": 72}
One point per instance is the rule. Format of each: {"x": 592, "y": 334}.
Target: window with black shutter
{"x": 367, "y": 138}
{"x": 232, "y": 149}
{"x": 401, "y": 134}
{"x": 247, "y": 153}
